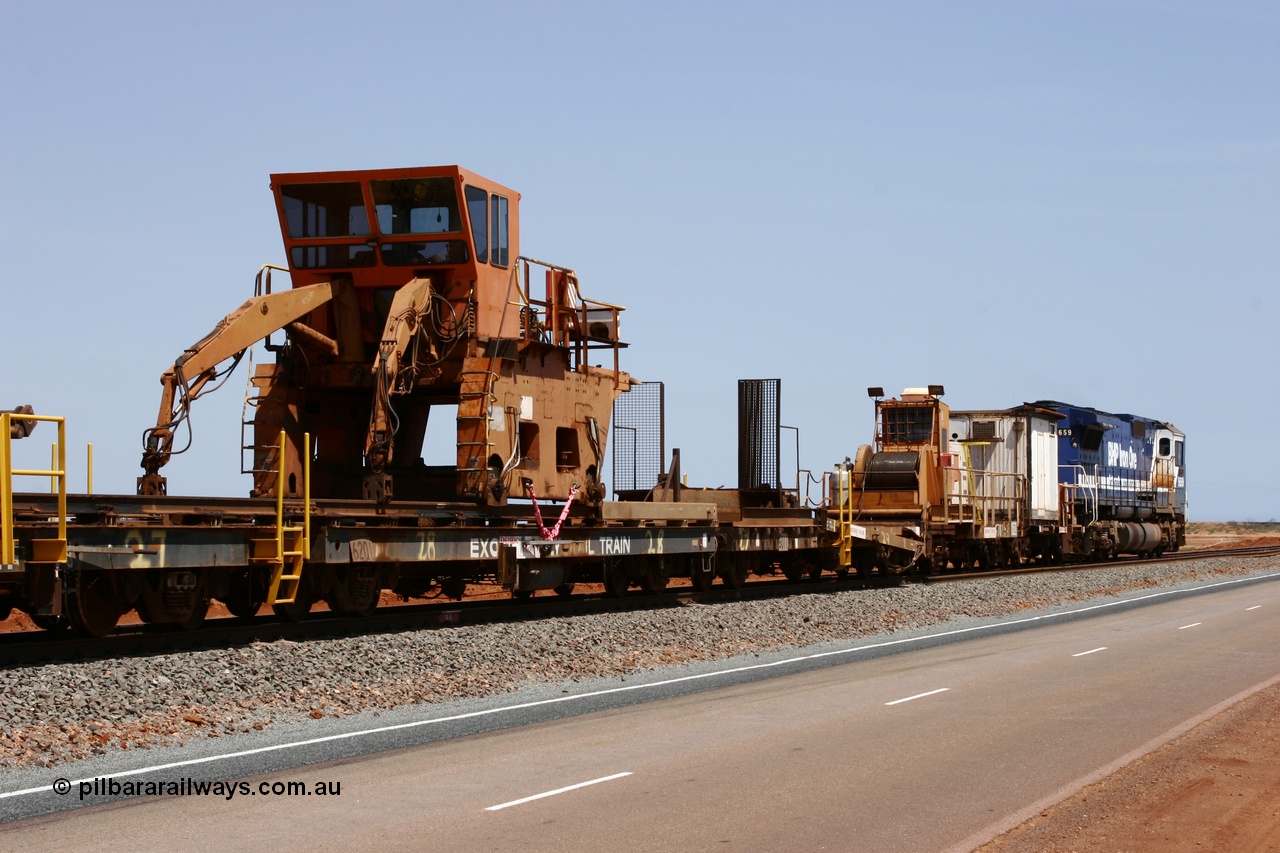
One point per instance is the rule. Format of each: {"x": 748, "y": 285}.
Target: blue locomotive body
{"x": 1124, "y": 478}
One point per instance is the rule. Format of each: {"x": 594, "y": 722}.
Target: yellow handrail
{"x": 280, "y": 499}
{"x": 44, "y": 550}
{"x": 844, "y": 492}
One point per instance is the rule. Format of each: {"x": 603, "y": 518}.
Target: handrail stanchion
{"x": 306, "y": 496}
{"x": 43, "y": 550}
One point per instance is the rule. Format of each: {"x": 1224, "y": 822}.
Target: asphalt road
{"x": 927, "y": 749}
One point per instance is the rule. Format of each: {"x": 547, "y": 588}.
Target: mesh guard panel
{"x": 759, "y": 438}
{"x": 638, "y": 437}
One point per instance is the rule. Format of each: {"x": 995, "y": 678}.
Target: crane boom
{"x": 253, "y": 321}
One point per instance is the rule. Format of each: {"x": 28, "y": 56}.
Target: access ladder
{"x": 288, "y": 551}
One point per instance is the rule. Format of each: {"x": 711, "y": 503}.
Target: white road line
{"x": 1254, "y": 607}
{"x": 1192, "y": 625}
{"x": 918, "y": 696}
{"x": 557, "y": 791}
{"x": 1091, "y": 651}
{"x": 650, "y": 685}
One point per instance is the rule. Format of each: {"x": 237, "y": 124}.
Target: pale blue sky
{"x": 1018, "y": 200}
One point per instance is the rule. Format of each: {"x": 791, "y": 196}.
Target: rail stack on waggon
{"x": 412, "y": 318}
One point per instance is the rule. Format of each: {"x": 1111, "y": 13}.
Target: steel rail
{"x": 1175, "y": 557}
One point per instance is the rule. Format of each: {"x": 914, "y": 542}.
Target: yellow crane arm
{"x": 197, "y": 366}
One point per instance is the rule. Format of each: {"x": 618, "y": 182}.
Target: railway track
{"x": 39, "y": 646}
{"x": 1177, "y": 557}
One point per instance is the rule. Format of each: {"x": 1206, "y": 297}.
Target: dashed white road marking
{"x": 918, "y": 696}
{"x": 1254, "y": 607}
{"x": 1192, "y": 625}
{"x": 545, "y": 794}
{"x": 1091, "y": 651}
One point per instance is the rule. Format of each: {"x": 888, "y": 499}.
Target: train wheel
{"x": 144, "y": 613}
{"x": 702, "y": 572}
{"x": 93, "y": 607}
{"x": 296, "y": 610}
{"x": 522, "y": 594}
{"x": 792, "y": 568}
{"x": 565, "y": 589}
{"x": 454, "y": 587}
{"x": 199, "y": 610}
{"x": 51, "y": 623}
{"x": 356, "y": 592}
{"x": 655, "y": 575}
{"x": 616, "y": 580}
{"x": 864, "y": 563}
{"x": 734, "y": 573}
{"x": 999, "y": 555}
{"x": 243, "y": 603}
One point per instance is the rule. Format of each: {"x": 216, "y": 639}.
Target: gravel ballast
{"x": 59, "y": 713}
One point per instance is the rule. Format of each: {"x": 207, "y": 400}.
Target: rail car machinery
{"x": 1123, "y": 479}
{"x": 1008, "y": 468}
{"x": 410, "y": 297}
{"x": 742, "y": 535}
{"x": 762, "y": 526}
{"x": 885, "y": 501}
{"x": 941, "y": 487}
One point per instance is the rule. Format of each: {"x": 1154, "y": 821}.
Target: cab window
{"x": 498, "y": 257}
{"x": 905, "y": 425}
{"x": 416, "y": 206}
{"x": 478, "y": 213}
{"x": 331, "y": 256}
{"x": 324, "y": 210}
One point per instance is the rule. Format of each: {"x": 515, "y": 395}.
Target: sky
{"x": 1017, "y": 200}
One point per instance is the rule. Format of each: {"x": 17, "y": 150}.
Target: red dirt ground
{"x": 1211, "y": 542}
{"x": 1215, "y": 788}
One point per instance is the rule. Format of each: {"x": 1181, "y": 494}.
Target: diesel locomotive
{"x": 1043, "y": 481}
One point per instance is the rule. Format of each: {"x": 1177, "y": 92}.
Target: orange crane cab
{"x": 381, "y": 229}
{"x": 410, "y": 297}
